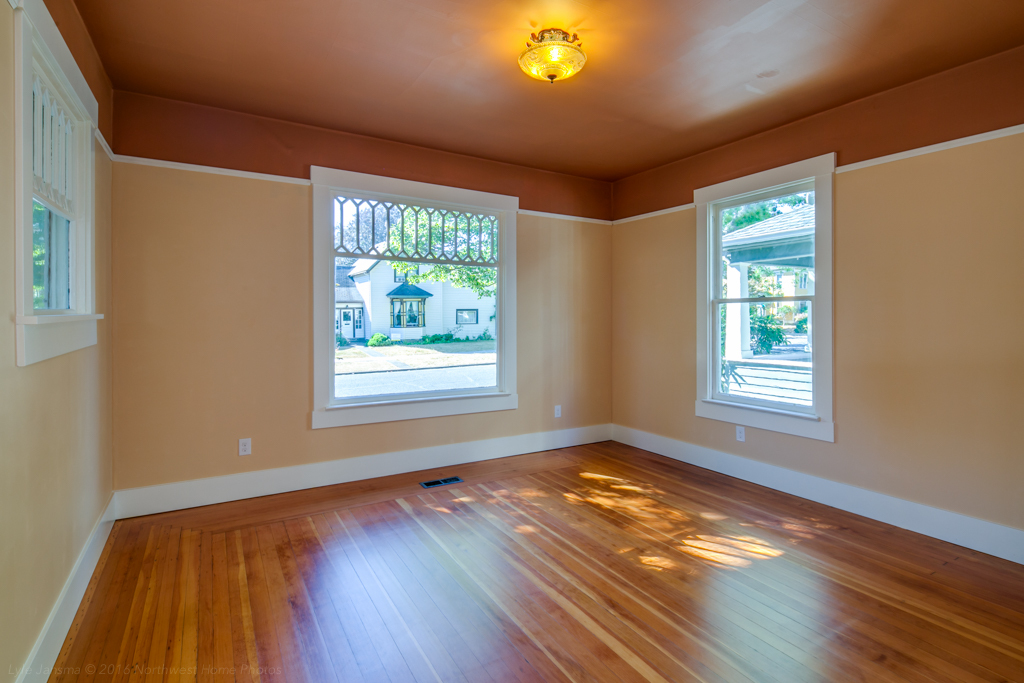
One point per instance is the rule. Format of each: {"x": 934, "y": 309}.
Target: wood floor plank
{"x": 576, "y": 646}
{"x": 435, "y": 559}
{"x": 308, "y": 556}
{"x": 373, "y": 642}
{"x": 594, "y": 563}
{"x": 463, "y": 628}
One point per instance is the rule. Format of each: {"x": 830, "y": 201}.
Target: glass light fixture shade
{"x": 553, "y": 55}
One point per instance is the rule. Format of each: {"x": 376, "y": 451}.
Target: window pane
{"x": 397, "y": 342}
{"x": 765, "y": 352}
{"x": 767, "y": 247}
{"x": 50, "y": 259}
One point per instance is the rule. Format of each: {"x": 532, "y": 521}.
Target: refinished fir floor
{"x": 594, "y": 563}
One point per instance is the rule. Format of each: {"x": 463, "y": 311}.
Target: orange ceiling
{"x": 665, "y": 78}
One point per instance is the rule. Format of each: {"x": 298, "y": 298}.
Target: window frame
{"x": 816, "y": 423}
{"x": 476, "y": 316}
{"x": 403, "y": 277}
{"x": 40, "y": 52}
{"x": 327, "y": 184}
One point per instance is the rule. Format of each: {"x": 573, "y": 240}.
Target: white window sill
{"x": 412, "y": 409}
{"x": 40, "y": 337}
{"x": 786, "y": 422}
{"x": 51, "y": 318}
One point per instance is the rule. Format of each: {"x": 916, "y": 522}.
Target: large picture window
{"x": 764, "y": 346}
{"x": 443, "y": 248}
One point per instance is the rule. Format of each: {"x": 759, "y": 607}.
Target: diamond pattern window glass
{"x": 371, "y": 228}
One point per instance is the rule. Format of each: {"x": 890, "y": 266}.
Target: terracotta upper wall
{"x": 974, "y": 98}
{"x": 72, "y": 28}
{"x": 157, "y": 128}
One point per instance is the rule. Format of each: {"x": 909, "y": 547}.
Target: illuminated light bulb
{"x": 552, "y": 55}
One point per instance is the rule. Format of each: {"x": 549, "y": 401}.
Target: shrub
{"x": 379, "y": 339}
{"x": 766, "y": 332}
{"x": 485, "y": 335}
{"x": 801, "y": 325}
{"x": 340, "y": 341}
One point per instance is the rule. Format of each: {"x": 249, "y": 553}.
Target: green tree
{"x": 765, "y": 330}
{"x": 483, "y": 281}
{"x": 737, "y": 217}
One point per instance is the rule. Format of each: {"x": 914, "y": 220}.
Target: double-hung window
{"x": 442, "y": 247}
{"x": 55, "y": 115}
{"x": 764, "y": 282}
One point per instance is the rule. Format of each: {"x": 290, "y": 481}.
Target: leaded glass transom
{"x": 373, "y": 228}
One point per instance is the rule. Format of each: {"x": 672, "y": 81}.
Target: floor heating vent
{"x": 440, "y": 482}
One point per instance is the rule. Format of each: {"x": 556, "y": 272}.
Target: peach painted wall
{"x": 212, "y": 294}
{"x": 55, "y": 424}
{"x": 929, "y": 369}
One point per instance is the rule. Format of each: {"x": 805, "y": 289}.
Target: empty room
{"x": 487, "y": 341}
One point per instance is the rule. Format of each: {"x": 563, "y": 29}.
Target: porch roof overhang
{"x": 783, "y": 240}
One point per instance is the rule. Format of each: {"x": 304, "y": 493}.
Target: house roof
{"x": 793, "y": 224}
{"x": 363, "y": 265}
{"x": 407, "y": 291}
{"x": 344, "y": 287}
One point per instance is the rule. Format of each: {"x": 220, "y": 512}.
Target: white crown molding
{"x": 51, "y": 638}
{"x": 179, "y": 166}
{"x": 103, "y": 143}
{"x": 960, "y": 142}
{"x": 899, "y": 156}
{"x": 565, "y": 217}
{"x": 652, "y": 214}
{"x": 149, "y": 500}
{"x": 940, "y": 147}
{"x": 969, "y": 532}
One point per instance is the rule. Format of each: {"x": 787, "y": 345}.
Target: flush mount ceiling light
{"x": 552, "y": 55}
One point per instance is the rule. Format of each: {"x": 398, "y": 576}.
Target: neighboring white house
{"x": 370, "y": 297}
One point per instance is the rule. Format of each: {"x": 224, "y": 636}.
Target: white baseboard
{"x": 149, "y": 500}
{"x": 51, "y": 639}
{"x": 969, "y": 532}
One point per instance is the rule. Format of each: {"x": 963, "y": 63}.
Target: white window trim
{"x": 43, "y": 335}
{"x": 818, "y": 425}
{"x": 326, "y": 183}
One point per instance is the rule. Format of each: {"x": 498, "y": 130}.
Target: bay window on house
{"x": 409, "y": 312}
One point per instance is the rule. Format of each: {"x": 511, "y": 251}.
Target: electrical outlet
{"x": 741, "y": 433}
{"x": 244, "y": 446}
{"x": 558, "y": 411}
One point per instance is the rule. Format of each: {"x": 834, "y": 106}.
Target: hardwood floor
{"x": 594, "y": 563}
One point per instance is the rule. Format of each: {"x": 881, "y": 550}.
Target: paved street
{"x": 405, "y": 381}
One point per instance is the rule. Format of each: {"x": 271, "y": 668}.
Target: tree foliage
{"x": 765, "y": 330}
{"x": 737, "y": 217}
{"x": 483, "y": 281}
